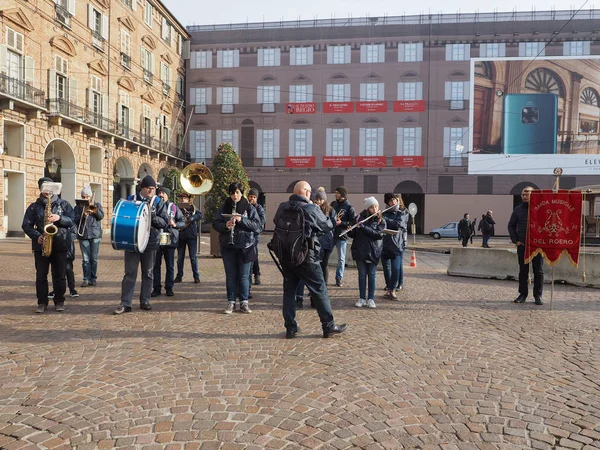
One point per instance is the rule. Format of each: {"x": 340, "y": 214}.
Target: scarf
{"x": 241, "y": 206}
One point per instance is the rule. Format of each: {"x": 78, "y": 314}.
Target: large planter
{"x": 215, "y": 246}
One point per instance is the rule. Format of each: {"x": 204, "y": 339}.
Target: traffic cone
{"x": 413, "y": 260}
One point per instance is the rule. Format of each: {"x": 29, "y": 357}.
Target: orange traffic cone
{"x": 413, "y": 260}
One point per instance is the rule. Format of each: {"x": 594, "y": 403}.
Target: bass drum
{"x": 130, "y": 226}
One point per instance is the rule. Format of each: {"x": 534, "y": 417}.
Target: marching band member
{"x": 255, "y": 269}
{"x": 167, "y": 251}
{"x": 159, "y": 221}
{"x": 38, "y": 216}
{"x": 188, "y": 237}
{"x": 89, "y": 240}
{"x": 346, "y": 217}
{"x": 394, "y": 245}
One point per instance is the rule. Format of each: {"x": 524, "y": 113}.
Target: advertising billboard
{"x": 530, "y": 115}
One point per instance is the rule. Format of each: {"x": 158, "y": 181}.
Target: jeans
{"x": 236, "y": 273}
{"x": 366, "y": 270}
{"x": 393, "y": 271}
{"x": 340, "y": 244}
{"x": 311, "y": 274}
{"x": 300, "y": 291}
{"x": 132, "y": 261}
{"x": 192, "y": 246}
{"x": 89, "y": 258}
{"x": 538, "y": 273}
{"x": 486, "y": 238}
{"x": 169, "y": 254}
{"x": 59, "y": 267}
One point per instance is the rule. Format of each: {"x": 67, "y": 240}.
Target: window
{"x": 339, "y": 54}
{"x": 228, "y": 58}
{"x": 269, "y": 57}
{"x": 301, "y": 93}
{"x": 95, "y": 97}
{"x": 268, "y": 96}
{"x": 201, "y": 60}
{"x": 165, "y": 76}
{"x": 164, "y": 131}
{"x": 532, "y": 49}
{"x": 65, "y": 9}
{"x": 410, "y": 90}
{"x": 131, "y": 3}
{"x": 267, "y": 146}
{"x": 578, "y": 48}
{"x": 408, "y": 141}
{"x": 61, "y": 91}
{"x": 410, "y": 52}
{"x": 147, "y": 61}
{"x": 179, "y": 87}
{"x": 370, "y": 92}
{"x": 200, "y": 145}
{"x": 454, "y": 137}
{"x": 300, "y": 143}
{"x": 372, "y": 53}
{"x": 458, "y": 52}
{"x": 98, "y": 23}
{"x": 371, "y": 142}
{"x": 123, "y": 114}
{"x": 230, "y": 136}
{"x": 338, "y": 92}
{"x": 492, "y": 50}
{"x": 16, "y": 66}
{"x": 227, "y": 97}
{"x": 166, "y": 31}
{"x": 148, "y": 14}
{"x": 338, "y": 142}
{"x": 146, "y": 125}
{"x": 125, "y": 49}
{"x": 456, "y": 92}
{"x": 200, "y": 97}
{"x": 301, "y": 56}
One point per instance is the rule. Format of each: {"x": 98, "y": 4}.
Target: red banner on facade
{"x": 371, "y": 161}
{"x": 409, "y": 106}
{"x": 301, "y": 108}
{"x": 371, "y": 107}
{"x": 554, "y": 226}
{"x": 337, "y": 161}
{"x": 408, "y": 161}
{"x": 338, "y": 107}
{"x": 300, "y": 161}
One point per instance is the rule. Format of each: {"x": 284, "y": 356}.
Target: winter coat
{"x": 517, "y": 225}
{"x": 173, "y": 212}
{"x": 72, "y": 238}
{"x": 348, "y": 218}
{"x": 93, "y": 225}
{"x": 262, "y": 215}
{"x": 159, "y": 219}
{"x": 190, "y": 232}
{"x": 487, "y": 226}
{"x": 244, "y": 231}
{"x": 33, "y": 223}
{"x": 394, "y": 245}
{"x": 326, "y": 239}
{"x": 464, "y": 228}
{"x": 367, "y": 239}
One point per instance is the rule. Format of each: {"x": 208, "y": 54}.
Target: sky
{"x": 197, "y": 12}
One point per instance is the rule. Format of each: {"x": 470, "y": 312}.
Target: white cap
{"x": 370, "y": 201}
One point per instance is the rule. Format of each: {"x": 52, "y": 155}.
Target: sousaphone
{"x": 195, "y": 179}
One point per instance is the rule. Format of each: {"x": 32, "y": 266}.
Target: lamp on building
{"x": 107, "y": 154}
{"x": 53, "y": 164}
{"x": 116, "y": 177}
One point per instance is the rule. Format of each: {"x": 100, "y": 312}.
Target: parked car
{"x": 450, "y": 230}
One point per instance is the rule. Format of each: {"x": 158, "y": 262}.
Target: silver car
{"x": 450, "y": 230}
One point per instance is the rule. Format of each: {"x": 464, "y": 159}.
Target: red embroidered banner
{"x": 554, "y": 225}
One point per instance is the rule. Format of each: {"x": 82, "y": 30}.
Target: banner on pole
{"x": 554, "y": 225}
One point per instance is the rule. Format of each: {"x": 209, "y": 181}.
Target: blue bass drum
{"x": 130, "y": 226}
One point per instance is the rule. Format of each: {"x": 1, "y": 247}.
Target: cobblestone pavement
{"x": 453, "y": 364}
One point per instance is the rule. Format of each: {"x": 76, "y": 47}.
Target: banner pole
{"x": 557, "y": 172}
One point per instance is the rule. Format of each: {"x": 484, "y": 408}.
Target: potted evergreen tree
{"x": 226, "y": 168}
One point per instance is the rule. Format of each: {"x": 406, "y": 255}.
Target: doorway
{"x": 14, "y": 203}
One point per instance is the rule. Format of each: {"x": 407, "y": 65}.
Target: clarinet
{"x": 232, "y": 231}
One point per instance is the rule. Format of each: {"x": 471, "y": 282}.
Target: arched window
{"x": 483, "y": 69}
{"x": 589, "y": 96}
{"x": 544, "y": 81}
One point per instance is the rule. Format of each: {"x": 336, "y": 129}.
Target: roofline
{"x": 173, "y": 18}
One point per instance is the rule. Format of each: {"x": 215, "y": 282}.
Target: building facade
{"x": 384, "y": 104}
{"x": 91, "y": 92}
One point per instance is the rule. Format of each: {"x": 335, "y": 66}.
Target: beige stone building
{"x": 91, "y": 92}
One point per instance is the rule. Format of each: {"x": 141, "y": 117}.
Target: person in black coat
{"x": 464, "y": 229}
{"x": 89, "y": 240}
{"x": 517, "y": 228}
{"x": 188, "y": 237}
{"x": 487, "y": 228}
{"x": 393, "y": 245}
{"x": 33, "y": 225}
{"x": 346, "y": 217}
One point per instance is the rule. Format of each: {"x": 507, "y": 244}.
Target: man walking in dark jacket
{"x": 346, "y": 217}
{"x": 309, "y": 271}
{"x": 517, "y": 228}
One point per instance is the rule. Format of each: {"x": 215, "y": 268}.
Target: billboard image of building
{"x": 530, "y": 115}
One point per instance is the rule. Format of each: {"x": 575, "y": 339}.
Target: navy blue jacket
{"x": 173, "y": 212}
{"x": 517, "y": 225}
{"x": 244, "y": 231}
{"x": 394, "y": 244}
{"x": 348, "y": 218}
{"x": 159, "y": 216}
{"x": 33, "y": 223}
{"x": 93, "y": 225}
{"x": 263, "y": 219}
{"x": 190, "y": 232}
{"x": 326, "y": 239}
{"x": 367, "y": 239}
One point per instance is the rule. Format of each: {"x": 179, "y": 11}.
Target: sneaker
{"x": 360, "y": 303}
{"x": 371, "y": 304}
{"x": 60, "y": 307}
{"x": 85, "y": 283}
{"x": 170, "y": 293}
{"x": 399, "y": 288}
{"x": 387, "y": 294}
{"x": 230, "y": 308}
{"x": 257, "y": 279}
{"x": 392, "y": 295}
{"x": 245, "y": 308}
{"x": 92, "y": 282}
{"x": 338, "y": 282}
{"x": 177, "y": 280}
{"x": 146, "y": 306}
{"x": 51, "y": 295}
{"x": 155, "y": 294}
{"x": 122, "y": 309}
{"x": 74, "y": 294}
{"x": 41, "y": 309}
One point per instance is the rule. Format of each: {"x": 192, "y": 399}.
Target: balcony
{"x": 126, "y": 60}
{"x": 63, "y": 15}
{"x": 166, "y": 89}
{"x": 18, "y": 91}
{"x": 148, "y": 76}
{"x": 97, "y": 40}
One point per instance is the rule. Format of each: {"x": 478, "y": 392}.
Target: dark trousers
{"x": 192, "y": 247}
{"x": 486, "y": 240}
{"x": 465, "y": 240}
{"x": 325, "y": 254}
{"x": 168, "y": 253}
{"x": 256, "y": 268}
{"x": 59, "y": 269}
{"x": 312, "y": 276}
{"x": 132, "y": 261}
{"x": 70, "y": 276}
{"x": 538, "y": 273}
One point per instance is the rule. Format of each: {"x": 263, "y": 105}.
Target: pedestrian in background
{"x": 473, "y": 224}
{"x": 487, "y": 228}
{"x": 464, "y": 229}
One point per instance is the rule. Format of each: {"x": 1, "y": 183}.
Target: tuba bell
{"x": 196, "y": 179}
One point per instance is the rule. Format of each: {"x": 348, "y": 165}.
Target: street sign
{"x": 412, "y": 209}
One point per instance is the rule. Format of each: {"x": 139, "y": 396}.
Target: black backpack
{"x": 290, "y": 242}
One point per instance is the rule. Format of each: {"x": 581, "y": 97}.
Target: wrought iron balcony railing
{"x": 148, "y": 76}
{"x": 97, "y": 40}
{"x": 63, "y": 15}
{"x": 20, "y": 90}
{"x": 125, "y": 60}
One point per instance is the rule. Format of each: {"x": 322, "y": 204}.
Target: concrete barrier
{"x": 502, "y": 264}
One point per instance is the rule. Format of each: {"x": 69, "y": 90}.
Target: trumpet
{"x": 341, "y": 214}
{"x": 89, "y": 208}
{"x": 364, "y": 220}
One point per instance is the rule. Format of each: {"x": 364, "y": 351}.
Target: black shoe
{"x": 538, "y": 301}
{"x": 291, "y": 333}
{"x": 520, "y": 299}
{"x": 196, "y": 280}
{"x": 122, "y": 309}
{"x": 257, "y": 279}
{"x": 338, "y": 282}
{"x": 146, "y": 306}
{"x": 299, "y": 304}
{"x": 155, "y": 294}
{"x": 177, "y": 280}
{"x": 336, "y": 329}
{"x": 92, "y": 282}
{"x": 60, "y": 306}
{"x": 170, "y": 293}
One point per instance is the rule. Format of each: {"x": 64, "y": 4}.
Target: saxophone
{"x": 49, "y": 228}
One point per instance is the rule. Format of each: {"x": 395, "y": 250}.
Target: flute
{"x": 232, "y": 229}
{"x": 364, "y": 220}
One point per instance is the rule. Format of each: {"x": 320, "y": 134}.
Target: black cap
{"x": 147, "y": 182}
{"x": 253, "y": 191}
{"x": 166, "y": 190}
